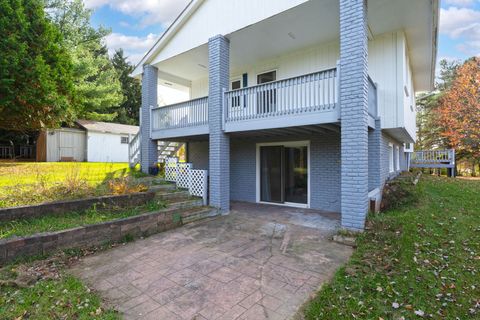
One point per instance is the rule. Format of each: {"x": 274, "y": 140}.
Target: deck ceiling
{"x": 314, "y": 22}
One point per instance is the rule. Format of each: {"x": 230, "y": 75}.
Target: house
{"x": 90, "y": 141}
{"x": 291, "y": 102}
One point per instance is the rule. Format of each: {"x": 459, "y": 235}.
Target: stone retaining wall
{"x": 98, "y": 234}
{"x": 61, "y": 207}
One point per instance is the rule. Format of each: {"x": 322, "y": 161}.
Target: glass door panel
{"x": 296, "y": 174}
{"x": 271, "y": 171}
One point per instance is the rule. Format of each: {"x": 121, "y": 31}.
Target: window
{"x": 390, "y": 158}
{"x": 236, "y": 84}
{"x": 124, "y": 140}
{"x": 267, "y": 98}
{"x": 397, "y": 158}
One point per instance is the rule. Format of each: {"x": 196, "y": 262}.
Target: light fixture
{"x": 202, "y": 66}
{"x": 168, "y": 84}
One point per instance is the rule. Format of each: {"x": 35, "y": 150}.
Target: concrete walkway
{"x": 259, "y": 262}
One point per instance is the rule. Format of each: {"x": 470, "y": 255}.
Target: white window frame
{"x": 391, "y": 165}
{"x": 397, "y": 158}
{"x": 309, "y": 178}
{"x": 267, "y": 71}
{"x": 237, "y": 99}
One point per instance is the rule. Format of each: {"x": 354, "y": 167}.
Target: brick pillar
{"x": 354, "y": 112}
{"x": 219, "y": 148}
{"x": 148, "y": 147}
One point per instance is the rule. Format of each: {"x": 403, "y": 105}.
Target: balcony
{"x": 285, "y": 103}
{"x": 310, "y": 99}
{"x": 183, "y": 119}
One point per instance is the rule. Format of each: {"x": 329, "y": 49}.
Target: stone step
{"x": 151, "y": 180}
{"x": 199, "y": 214}
{"x": 162, "y": 187}
{"x": 185, "y": 204}
{"x": 176, "y": 195}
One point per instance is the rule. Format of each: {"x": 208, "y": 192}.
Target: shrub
{"x": 399, "y": 191}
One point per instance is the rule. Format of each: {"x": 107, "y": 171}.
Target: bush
{"x": 399, "y": 191}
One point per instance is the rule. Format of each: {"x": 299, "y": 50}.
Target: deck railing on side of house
{"x": 181, "y": 115}
{"x": 134, "y": 149}
{"x": 433, "y": 159}
{"x": 315, "y": 92}
{"x": 286, "y": 102}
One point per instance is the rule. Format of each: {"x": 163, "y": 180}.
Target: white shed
{"x": 90, "y": 141}
{"x": 107, "y": 142}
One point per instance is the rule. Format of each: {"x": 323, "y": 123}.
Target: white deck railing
{"x": 133, "y": 149}
{"x": 316, "y": 92}
{"x": 181, "y": 115}
{"x": 433, "y": 159}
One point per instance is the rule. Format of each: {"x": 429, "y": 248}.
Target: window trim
{"x": 397, "y": 158}
{"x": 391, "y": 156}
{"x": 266, "y": 71}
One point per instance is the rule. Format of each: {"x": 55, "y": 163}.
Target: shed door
{"x": 71, "y": 145}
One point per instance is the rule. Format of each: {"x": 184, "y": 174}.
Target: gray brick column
{"x": 148, "y": 147}
{"x": 354, "y": 112}
{"x": 219, "y": 149}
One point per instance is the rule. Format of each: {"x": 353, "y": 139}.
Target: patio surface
{"x": 259, "y": 262}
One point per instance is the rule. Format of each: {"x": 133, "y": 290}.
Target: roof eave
{"x": 435, "y": 39}
{"x": 166, "y": 36}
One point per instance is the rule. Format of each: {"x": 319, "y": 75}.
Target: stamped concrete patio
{"x": 259, "y": 262}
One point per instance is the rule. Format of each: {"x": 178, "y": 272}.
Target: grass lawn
{"x": 64, "y": 298}
{"x": 23, "y": 183}
{"x": 51, "y": 223}
{"x": 418, "y": 261}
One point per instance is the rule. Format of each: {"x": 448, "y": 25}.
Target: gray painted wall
{"x": 324, "y": 169}
{"x": 324, "y": 166}
{"x": 197, "y": 153}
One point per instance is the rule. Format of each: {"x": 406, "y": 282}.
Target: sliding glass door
{"x": 284, "y": 174}
{"x": 271, "y": 176}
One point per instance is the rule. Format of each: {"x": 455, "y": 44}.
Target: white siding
{"x": 106, "y": 147}
{"x": 221, "y": 17}
{"x": 388, "y": 66}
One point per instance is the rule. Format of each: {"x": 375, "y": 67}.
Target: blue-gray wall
{"x": 324, "y": 169}
{"x": 324, "y": 165}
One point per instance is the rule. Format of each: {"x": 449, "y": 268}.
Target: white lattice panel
{"x": 199, "y": 184}
{"x": 171, "y": 169}
{"x": 183, "y": 175}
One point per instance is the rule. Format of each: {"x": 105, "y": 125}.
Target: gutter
{"x": 435, "y": 39}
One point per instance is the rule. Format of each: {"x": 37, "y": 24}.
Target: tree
{"x": 96, "y": 80}
{"x": 429, "y": 134}
{"x": 36, "y": 74}
{"x": 459, "y": 111}
{"x": 128, "y": 111}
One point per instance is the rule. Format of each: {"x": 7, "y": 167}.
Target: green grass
{"x": 423, "y": 258}
{"x": 12, "y": 173}
{"x": 52, "y": 223}
{"x": 64, "y": 298}
{"x": 32, "y": 183}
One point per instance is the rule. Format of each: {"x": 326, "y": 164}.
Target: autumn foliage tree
{"x": 458, "y": 114}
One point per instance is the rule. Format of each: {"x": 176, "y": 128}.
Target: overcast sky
{"x": 137, "y": 24}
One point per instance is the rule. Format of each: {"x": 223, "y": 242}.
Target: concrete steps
{"x": 199, "y": 213}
